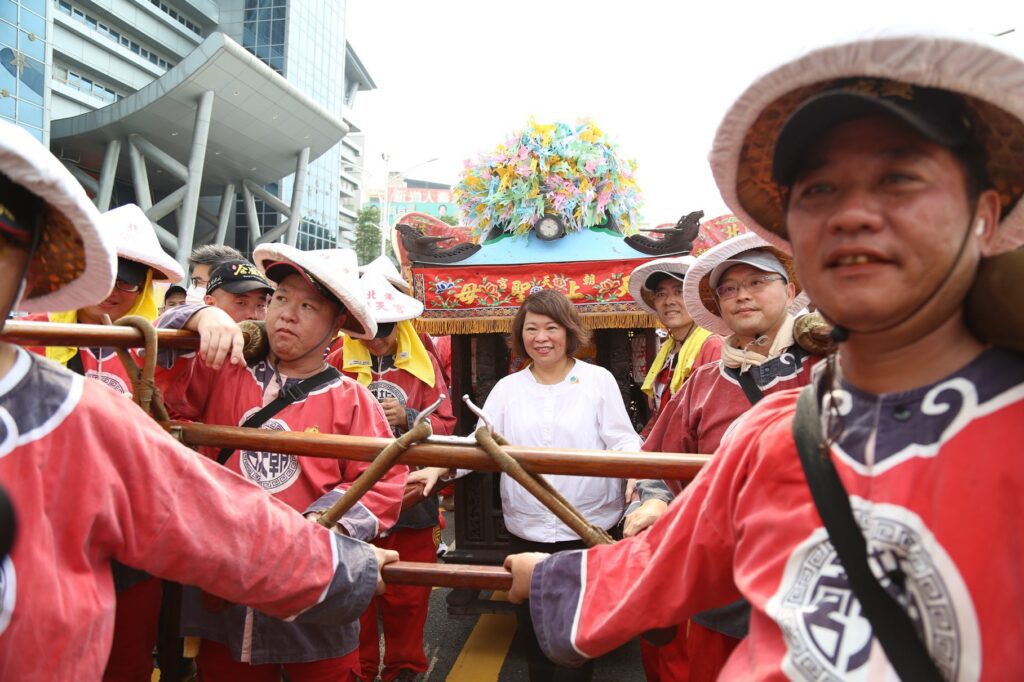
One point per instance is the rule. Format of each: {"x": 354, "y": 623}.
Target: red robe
{"x": 308, "y": 484}
{"x": 934, "y": 483}
{"x": 93, "y": 479}
{"x": 103, "y": 364}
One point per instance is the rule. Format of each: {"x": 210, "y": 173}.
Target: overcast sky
{"x": 455, "y": 77}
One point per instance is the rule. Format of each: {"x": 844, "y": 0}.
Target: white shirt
{"x": 584, "y": 411}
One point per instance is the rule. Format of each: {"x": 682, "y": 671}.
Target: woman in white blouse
{"x": 557, "y": 401}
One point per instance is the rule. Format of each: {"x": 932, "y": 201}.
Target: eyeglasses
{"x": 752, "y": 284}
{"x": 199, "y": 282}
{"x": 127, "y": 288}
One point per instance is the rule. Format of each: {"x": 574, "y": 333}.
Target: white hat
{"x": 384, "y": 266}
{"x": 132, "y": 233}
{"x": 74, "y": 265}
{"x": 385, "y": 302}
{"x": 697, "y": 291}
{"x": 674, "y": 266}
{"x": 335, "y": 270}
{"x": 988, "y": 77}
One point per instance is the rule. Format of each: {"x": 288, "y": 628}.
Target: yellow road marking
{"x": 486, "y": 648}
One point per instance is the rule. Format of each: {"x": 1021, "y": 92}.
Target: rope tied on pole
{"x": 145, "y": 393}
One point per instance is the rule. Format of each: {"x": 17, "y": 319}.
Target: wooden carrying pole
{"x": 438, "y": 452}
{"x": 462, "y": 576}
{"x": 92, "y": 336}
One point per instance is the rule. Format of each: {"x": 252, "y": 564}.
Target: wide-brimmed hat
{"x": 383, "y": 266}
{"x": 385, "y": 302}
{"x": 334, "y": 270}
{"x": 74, "y": 264}
{"x": 891, "y": 64}
{"x": 700, "y": 297}
{"x": 675, "y": 267}
{"x": 132, "y": 234}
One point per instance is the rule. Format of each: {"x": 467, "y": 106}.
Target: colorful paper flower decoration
{"x": 570, "y": 171}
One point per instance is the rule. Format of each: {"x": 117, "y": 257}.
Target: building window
{"x": 177, "y": 16}
{"x": 98, "y": 26}
{"x": 86, "y": 85}
{"x": 264, "y": 30}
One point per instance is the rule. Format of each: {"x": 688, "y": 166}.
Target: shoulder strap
{"x": 75, "y": 363}
{"x": 890, "y": 623}
{"x": 749, "y": 386}
{"x": 289, "y": 394}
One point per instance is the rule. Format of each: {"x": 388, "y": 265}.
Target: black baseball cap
{"x": 131, "y": 272}
{"x": 938, "y": 115}
{"x": 175, "y": 289}
{"x": 237, "y": 277}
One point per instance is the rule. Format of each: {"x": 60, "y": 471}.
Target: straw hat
{"x": 132, "y": 233}
{"x": 675, "y": 266}
{"x": 386, "y": 303}
{"x": 74, "y": 265}
{"x": 384, "y": 266}
{"x": 335, "y": 270}
{"x": 987, "y": 76}
{"x": 700, "y": 298}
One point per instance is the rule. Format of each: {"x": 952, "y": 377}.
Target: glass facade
{"x": 303, "y": 40}
{"x": 264, "y": 31}
{"x": 23, "y": 59}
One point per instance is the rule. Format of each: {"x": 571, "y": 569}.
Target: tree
{"x": 368, "y": 234}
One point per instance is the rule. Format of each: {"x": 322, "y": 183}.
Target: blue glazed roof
{"x": 594, "y": 244}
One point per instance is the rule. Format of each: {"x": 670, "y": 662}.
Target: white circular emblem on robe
{"x": 827, "y": 635}
{"x": 8, "y": 592}
{"x": 272, "y": 471}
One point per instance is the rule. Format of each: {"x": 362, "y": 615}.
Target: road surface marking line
{"x": 486, "y": 647}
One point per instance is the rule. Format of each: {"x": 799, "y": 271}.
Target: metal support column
{"x": 251, "y": 217}
{"x": 227, "y": 203}
{"x": 107, "y": 173}
{"x": 139, "y": 176}
{"x": 197, "y": 157}
{"x": 297, "y": 192}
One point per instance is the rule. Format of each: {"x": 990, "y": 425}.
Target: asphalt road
{"x": 483, "y": 648}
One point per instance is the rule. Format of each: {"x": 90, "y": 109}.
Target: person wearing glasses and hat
{"x": 317, "y": 295}
{"x": 399, "y": 371}
{"x": 657, "y": 287}
{"x": 891, "y": 167}
{"x": 92, "y": 479}
{"x": 238, "y": 288}
{"x": 140, "y": 263}
{"x": 746, "y": 291}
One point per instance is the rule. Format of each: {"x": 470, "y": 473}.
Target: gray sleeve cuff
{"x": 654, "y": 489}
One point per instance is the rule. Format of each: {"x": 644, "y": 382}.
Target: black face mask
{"x": 384, "y": 329}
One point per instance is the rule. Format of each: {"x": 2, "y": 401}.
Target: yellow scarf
{"x": 684, "y": 363}
{"x": 410, "y": 355}
{"x": 145, "y": 305}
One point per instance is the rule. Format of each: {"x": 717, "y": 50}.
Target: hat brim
{"x": 700, "y": 299}
{"x": 985, "y": 74}
{"x": 818, "y": 114}
{"x": 674, "y": 266}
{"x": 244, "y": 287}
{"x": 74, "y": 266}
{"x": 359, "y": 323}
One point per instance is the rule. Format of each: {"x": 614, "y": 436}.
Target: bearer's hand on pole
{"x": 643, "y": 517}
{"x": 384, "y": 557}
{"x": 220, "y": 339}
{"x": 428, "y": 477}
{"x": 395, "y": 413}
{"x": 521, "y": 567}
